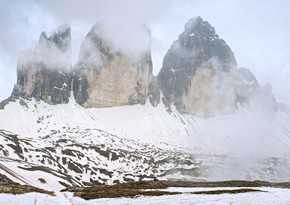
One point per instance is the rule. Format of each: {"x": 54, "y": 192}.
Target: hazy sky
{"x": 257, "y": 31}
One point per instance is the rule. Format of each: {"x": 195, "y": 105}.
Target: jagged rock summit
{"x": 197, "y": 72}
{"x": 43, "y": 73}
{"x": 107, "y": 75}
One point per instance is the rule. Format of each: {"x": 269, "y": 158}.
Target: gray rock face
{"x": 43, "y": 73}
{"x": 246, "y": 85}
{"x": 197, "y": 71}
{"x": 107, "y": 75}
{"x": 251, "y": 94}
{"x": 154, "y": 92}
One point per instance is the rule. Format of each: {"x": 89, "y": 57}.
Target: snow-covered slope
{"x": 138, "y": 122}
{"x": 64, "y": 145}
{"x": 53, "y": 146}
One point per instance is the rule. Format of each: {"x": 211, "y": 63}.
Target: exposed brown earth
{"x": 9, "y": 187}
{"x": 231, "y": 191}
{"x": 133, "y": 189}
{"x": 143, "y": 188}
{"x": 14, "y": 188}
{"x": 233, "y": 183}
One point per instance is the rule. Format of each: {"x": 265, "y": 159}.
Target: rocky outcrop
{"x": 197, "y": 72}
{"x": 154, "y": 92}
{"x": 246, "y": 85}
{"x": 107, "y": 75}
{"x": 251, "y": 94}
{"x": 43, "y": 73}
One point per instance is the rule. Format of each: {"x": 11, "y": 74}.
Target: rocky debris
{"x": 197, "y": 72}
{"x": 108, "y": 76}
{"x": 43, "y": 73}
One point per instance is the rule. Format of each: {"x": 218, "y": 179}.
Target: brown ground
{"x": 142, "y": 188}
{"x": 14, "y": 188}
{"x": 9, "y": 187}
{"x": 231, "y": 191}
{"x": 133, "y": 189}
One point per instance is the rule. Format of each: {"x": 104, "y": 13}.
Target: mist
{"x": 252, "y": 143}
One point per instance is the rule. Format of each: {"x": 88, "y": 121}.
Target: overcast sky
{"x": 257, "y": 31}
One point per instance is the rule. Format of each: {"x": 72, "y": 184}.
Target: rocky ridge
{"x": 199, "y": 74}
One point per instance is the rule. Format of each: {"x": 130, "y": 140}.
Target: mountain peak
{"x": 43, "y": 37}
{"x": 61, "y": 38}
{"x": 42, "y": 72}
{"x": 123, "y": 76}
{"x": 196, "y": 26}
{"x": 194, "y": 70}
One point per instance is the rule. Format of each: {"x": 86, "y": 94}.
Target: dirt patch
{"x": 133, "y": 189}
{"x": 233, "y": 183}
{"x": 109, "y": 192}
{"x": 14, "y": 188}
{"x": 231, "y": 191}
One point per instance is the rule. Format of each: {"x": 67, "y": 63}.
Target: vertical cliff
{"x": 197, "y": 74}
{"x": 109, "y": 73}
{"x": 43, "y": 72}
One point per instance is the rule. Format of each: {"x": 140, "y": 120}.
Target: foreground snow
{"x": 269, "y": 196}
